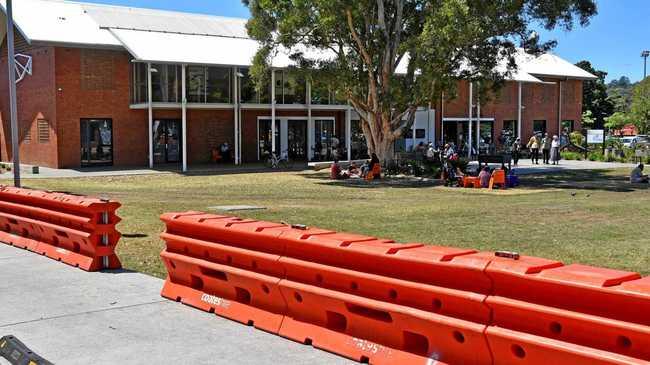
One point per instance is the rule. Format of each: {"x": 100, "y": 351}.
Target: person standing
{"x": 516, "y": 150}
{"x": 555, "y": 150}
{"x": 546, "y": 148}
{"x": 533, "y": 145}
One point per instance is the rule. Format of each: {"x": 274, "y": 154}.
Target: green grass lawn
{"x": 590, "y": 217}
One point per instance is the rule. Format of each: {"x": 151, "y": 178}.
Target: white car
{"x": 627, "y": 141}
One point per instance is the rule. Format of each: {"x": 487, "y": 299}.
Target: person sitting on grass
{"x": 484, "y": 177}
{"x": 637, "y": 176}
{"x": 335, "y": 170}
{"x": 353, "y": 171}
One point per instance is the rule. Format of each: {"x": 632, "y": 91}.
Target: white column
{"x": 149, "y": 101}
{"x": 519, "y": 107}
{"x": 273, "y": 110}
{"x": 413, "y": 128}
{"x": 559, "y": 111}
{"x": 348, "y": 132}
{"x": 478, "y": 122}
{"x": 236, "y": 113}
{"x": 442, "y": 120}
{"x": 184, "y": 118}
{"x": 469, "y": 129}
{"x": 309, "y": 123}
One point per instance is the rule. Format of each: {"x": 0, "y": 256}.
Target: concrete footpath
{"x": 69, "y": 316}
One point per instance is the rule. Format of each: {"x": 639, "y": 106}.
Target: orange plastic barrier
{"x": 377, "y": 301}
{"x": 77, "y": 230}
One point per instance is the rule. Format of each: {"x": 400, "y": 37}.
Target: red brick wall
{"x": 35, "y": 100}
{"x": 86, "y": 89}
{"x": 540, "y": 102}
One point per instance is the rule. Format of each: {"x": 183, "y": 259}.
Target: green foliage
{"x": 640, "y": 107}
{"x": 588, "y": 120}
{"x": 595, "y": 98}
{"x": 365, "y": 40}
{"x": 620, "y": 94}
{"x": 617, "y": 121}
{"x": 577, "y": 138}
{"x": 568, "y": 155}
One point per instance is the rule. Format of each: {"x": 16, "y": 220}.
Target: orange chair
{"x": 471, "y": 181}
{"x": 498, "y": 178}
{"x": 375, "y": 173}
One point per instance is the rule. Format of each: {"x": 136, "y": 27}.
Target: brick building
{"x": 125, "y": 86}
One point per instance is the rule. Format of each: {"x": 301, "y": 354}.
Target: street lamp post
{"x": 645, "y": 55}
{"x": 13, "y": 109}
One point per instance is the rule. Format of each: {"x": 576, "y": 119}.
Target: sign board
{"x": 596, "y": 136}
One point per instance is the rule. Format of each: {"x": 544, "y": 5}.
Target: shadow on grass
{"x": 597, "y": 180}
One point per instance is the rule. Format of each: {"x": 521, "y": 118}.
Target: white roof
{"x": 174, "y": 37}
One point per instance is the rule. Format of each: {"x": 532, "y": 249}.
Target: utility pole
{"x": 645, "y": 55}
{"x": 13, "y": 109}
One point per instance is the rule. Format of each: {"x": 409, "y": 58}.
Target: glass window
{"x": 166, "y": 83}
{"x": 358, "y": 144}
{"x": 218, "y": 87}
{"x": 567, "y": 126}
{"x": 289, "y": 88}
{"x": 195, "y": 84}
{"x": 249, "y": 94}
{"x": 139, "y": 83}
{"x": 539, "y": 126}
{"x": 96, "y": 142}
{"x": 320, "y": 93}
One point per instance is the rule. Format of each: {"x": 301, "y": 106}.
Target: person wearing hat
{"x": 516, "y": 151}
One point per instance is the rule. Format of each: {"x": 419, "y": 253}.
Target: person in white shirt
{"x": 555, "y": 150}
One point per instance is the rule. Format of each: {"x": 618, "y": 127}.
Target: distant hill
{"x": 620, "y": 92}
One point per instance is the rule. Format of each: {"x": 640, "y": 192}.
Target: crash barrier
{"x": 74, "y": 229}
{"x": 383, "y": 302}
{"x": 14, "y": 351}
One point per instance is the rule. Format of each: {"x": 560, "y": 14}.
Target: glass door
{"x": 325, "y": 142}
{"x": 96, "y": 142}
{"x": 264, "y": 141}
{"x": 297, "y": 139}
{"x": 166, "y": 141}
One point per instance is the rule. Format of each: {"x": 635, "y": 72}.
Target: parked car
{"x": 627, "y": 141}
{"x": 640, "y": 141}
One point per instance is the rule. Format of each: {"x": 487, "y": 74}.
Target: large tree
{"x": 594, "y": 95}
{"x": 640, "y": 107}
{"x": 362, "y": 43}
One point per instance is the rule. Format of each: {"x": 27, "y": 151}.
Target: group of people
{"x": 353, "y": 171}
{"x": 549, "y": 148}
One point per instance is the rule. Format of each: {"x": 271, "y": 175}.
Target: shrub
{"x": 595, "y": 156}
{"x": 568, "y": 155}
{"x": 577, "y": 138}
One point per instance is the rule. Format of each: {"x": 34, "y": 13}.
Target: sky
{"x": 612, "y": 42}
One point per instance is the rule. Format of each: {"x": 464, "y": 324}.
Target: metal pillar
{"x": 519, "y": 107}
{"x": 150, "y": 102}
{"x": 273, "y": 111}
{"x": 559, "y": 110}
{"x": 235, "y": 87}
{"x": 13, "y": 107}
{"x": 348, "y": 132}
{"x": 309, "y": 121}
{"x": 469, "y": 134}
{"x": 184, "y": 118}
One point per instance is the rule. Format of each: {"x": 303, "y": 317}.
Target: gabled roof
{"x": 175, "y": 37}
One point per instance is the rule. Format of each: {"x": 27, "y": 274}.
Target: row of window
{"x": 214, "y": 85}
{"x": 539, "y": 126}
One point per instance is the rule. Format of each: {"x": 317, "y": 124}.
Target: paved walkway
{"x": 69, "y": 316}
{"x": 526, "y": 167}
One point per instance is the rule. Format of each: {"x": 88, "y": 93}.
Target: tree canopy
{"x": 439, "y": 41}
{"x": 594, "y": 95}
{"x": 640, "y": 107}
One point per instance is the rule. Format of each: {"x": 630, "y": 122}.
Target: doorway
{"x": 166, "y": 141}
{"x": 297, "y": 139}
{"x": 96, "y": 142}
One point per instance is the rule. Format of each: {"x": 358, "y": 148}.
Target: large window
{"x": 208, "y": 84}
{"x": 322, "y": 94}
{"x": 249, "y": 94}
{"x": 139, "y": 83}
{"x": 539, "y": 126}
{"x": 96, "y": 142}
{"x": 289, "y": 88}
{"x": 166, "y": 83}
{"x": 567, "y": 126}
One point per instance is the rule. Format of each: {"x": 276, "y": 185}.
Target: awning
{"x": 185, "y": 48}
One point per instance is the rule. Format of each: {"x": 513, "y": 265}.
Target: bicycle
{"x": 282, "y": 162}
